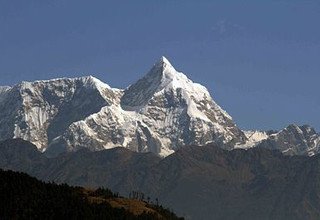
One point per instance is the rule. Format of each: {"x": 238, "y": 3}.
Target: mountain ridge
{"x": 24, "y": 197}
{"x": 198, "y": 182}
{"x": 160, "y": 113}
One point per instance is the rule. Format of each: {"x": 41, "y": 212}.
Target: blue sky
{"x": 259, "y": 59}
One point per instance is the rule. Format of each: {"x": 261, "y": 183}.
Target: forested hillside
{"x": 25, "y": 197}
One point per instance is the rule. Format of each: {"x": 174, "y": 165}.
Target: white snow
{"x": 113, "y": 126}
{"x": 254, "y": 138}
{"x": 161, "y": 123}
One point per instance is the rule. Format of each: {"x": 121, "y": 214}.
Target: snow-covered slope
{"x": 161, "y": 112}
{"x": 40, "y": 111}
{"x": 253, "y": 138}
{"x": 294, "y": 140}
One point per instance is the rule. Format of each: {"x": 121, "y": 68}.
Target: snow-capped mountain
{"x": 42, "y": 110}
{"x": 159, "y": 113}
{"x": 294, "y": 140}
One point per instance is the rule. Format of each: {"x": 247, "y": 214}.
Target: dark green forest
{"x": 25, "y": 197}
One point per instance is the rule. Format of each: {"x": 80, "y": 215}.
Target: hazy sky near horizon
{"x": 260, "y": 60}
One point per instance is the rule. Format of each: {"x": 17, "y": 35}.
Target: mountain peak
{"x": 161, "y": 112}
{"x": 163, "y": 61}
{"x": 162, "y": 68}
{"x": 161, "y": 77}
{"x": 166, "y": 75}
{"x": 93, "y": 81}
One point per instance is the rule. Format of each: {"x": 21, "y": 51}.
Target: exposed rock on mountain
{"x": 40, "y": 111}
{"x": 294, "y": 140}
